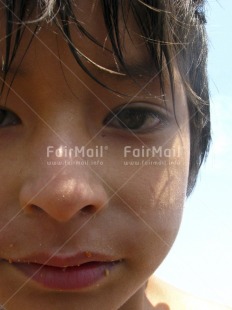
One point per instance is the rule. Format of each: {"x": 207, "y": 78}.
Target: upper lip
{"x": 65, "y": 260}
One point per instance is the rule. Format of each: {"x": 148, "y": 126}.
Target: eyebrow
{"x": 137, "y": 70}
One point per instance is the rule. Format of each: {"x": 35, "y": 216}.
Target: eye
{"x": 136, "y": 119}
{"x": 8, "y": 118}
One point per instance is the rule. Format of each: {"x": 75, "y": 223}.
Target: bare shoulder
{"x": 159, "y": 292}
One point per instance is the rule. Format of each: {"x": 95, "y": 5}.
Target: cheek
{"x": 157, "y": 196}
{"x": 154, "y": 195}
{"x": 154, "y": 198}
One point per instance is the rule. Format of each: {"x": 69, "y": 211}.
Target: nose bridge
{"x": 67, "y": 154}
{"x": 60, "y": 153}
{"x": 58, "y": 138}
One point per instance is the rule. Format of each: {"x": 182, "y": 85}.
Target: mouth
{"x": 66, "y": 273}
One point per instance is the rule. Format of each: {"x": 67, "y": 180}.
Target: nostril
{"x": 34, "y": 208}
{"x": 62, "y": 199}
{"x": 88, "y": 209}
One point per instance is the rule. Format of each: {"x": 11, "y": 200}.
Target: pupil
{"x": 2, "y": 115}
{"x": 131, "y": 119}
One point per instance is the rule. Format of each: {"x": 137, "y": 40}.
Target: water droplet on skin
{"x": 107, "y": 272}
{"x": 11, "y": 245}
{"x": 10, "y": 261}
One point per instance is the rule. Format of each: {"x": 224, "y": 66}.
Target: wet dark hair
{"x": 172, "y": 30}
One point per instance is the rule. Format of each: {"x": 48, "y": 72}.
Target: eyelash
{"x": 8, "y": 118}
{"x": 137, "y": 115}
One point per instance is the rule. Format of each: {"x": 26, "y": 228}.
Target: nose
{"x": 62, "y": 192}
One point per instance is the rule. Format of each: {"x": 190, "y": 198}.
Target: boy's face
{"x": 116, "y": 207}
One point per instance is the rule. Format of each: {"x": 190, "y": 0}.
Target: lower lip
{"x": 70, "y": 278}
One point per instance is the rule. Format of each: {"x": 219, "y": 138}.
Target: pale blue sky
{"x": 201, "y": 259}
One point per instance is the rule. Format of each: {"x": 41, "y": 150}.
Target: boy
{"x": 104, "y": 126}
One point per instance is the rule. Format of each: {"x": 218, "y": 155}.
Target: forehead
{"x": 89, "y": 35}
